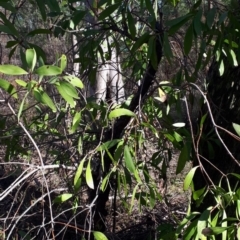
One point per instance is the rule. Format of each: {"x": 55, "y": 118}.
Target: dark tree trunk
{"x": 117, "y": 132}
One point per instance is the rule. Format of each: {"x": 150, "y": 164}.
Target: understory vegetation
{"x": 162, "y": 164}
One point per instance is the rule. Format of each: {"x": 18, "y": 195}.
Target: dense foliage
{"x": 180, "y": 65}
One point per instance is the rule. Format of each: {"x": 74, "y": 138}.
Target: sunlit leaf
{"x": 75, "y": 81}
{"x": 8, "y": 87}
{"x": 62, "y": 198}
{"x": 12, "y": 70}
{"x": 188, "y": 179}
{"x": 128, "y": 159}
{"x": 99, "y": 236}
{"x": 48, "y": 70}
{"x": 78, "y": 172}
{"x": 31, "y": 58}
{"x": 89, "y": 178}
{"x": 236, "y": 128}
{"x": 120, "y": 112}
{"x": 63, "y": 62}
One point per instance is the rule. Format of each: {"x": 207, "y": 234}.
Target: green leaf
{"x": 131, "y": 24}
{"x": 120, "y": 112}
{"x": 183, "y": 158}
{"x": 188, "y": 39}
{"x": 63, "y": 62}
{"x": 128, "y": 160}
{"x": 31, "y": 58}
{"x": 167, "y": 49}
{"x": 89, "y": 178}
{"x": 197, "y": 23}
{"x": 221, "y": 68}
{"x": 188, "y": 179}
{"x": 108, "y": 11}
{"x": 75, "y": 81}
{"x": 39, "y": 51}
{"x": 76, "y": 121}
{"x": 177, "y": 23}
{"x": 63, "y": 197}
{"x": 141, "y": 40}
{"x": 21, "y": 82}
{"x": 12, "y": 70}
{"x": 78, "y": 172}
{"x": 99, "y": 236}
{"x": 236, "y": 128}
{"x": 39, "y": 31}
{"x": 65, "y": 96}
{"x": 210, "y": 17}
{"x": 41, "y": 7}
{"x": 69, "y": 89}
{"x": 234, "y": 59}
{"x": 43, "y": 97}
{"x": 133, "y": 198}
{"x": 48, "y": 70}
{"x": 202, "y": 223}
{"x": 21, "y": 106}
{"x": 8, "y": 87}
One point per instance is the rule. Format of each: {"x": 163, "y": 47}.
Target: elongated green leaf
{"x": 12, "y": 70}
{"x": 31, "y": 58}
{"x": 167, "y": 49}
{"x": 197, "y": 23}
{"x": 99, "y": 236}
{"x": 128, "y": 159}
{"x": 210, "y": 17}
{"x": 221, "y": 68}
{"x": 39, "y": 31}
{"x": 121, "y": 112}
{"x": 63, "y": 197}
{"x": 63, "y": 62}
{"x": 108, "y": 11}
{"x": 48, "y": 70}
{"x": 234, "y": 58}
{"x": 202, "y": 223}
{"x": 21, "y": 106}
{"x": 43, "y": 97}
{"x": 143, "y": 39}
{"x": 41, "y": 7}
{"x": 177, "y": 23}
{"x": 69, "y": 89}
{"x": 78, "y": 172}
{"x": 8, "y": 87}
{"x": 190, "y": 231}
{"x": 236, "y": 128}
{"x": 131, "y": 24}
{"x": 75, "y": 81}
{"x": 224, "y": 224}
{"x": 39, "y": 51}
{"x": 183, "y": 158}
{"x": 76, "y": 121}
{"x": 21, "y": 82}
{"x": 188, "y": 39}
{"x": 65, "y": 95}
{"x": 89, "y": 178}
{"x": 188, "y": 179}
{"x": 133, "y": 198}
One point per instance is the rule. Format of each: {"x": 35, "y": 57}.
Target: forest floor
{"x": 24, "y": 209}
